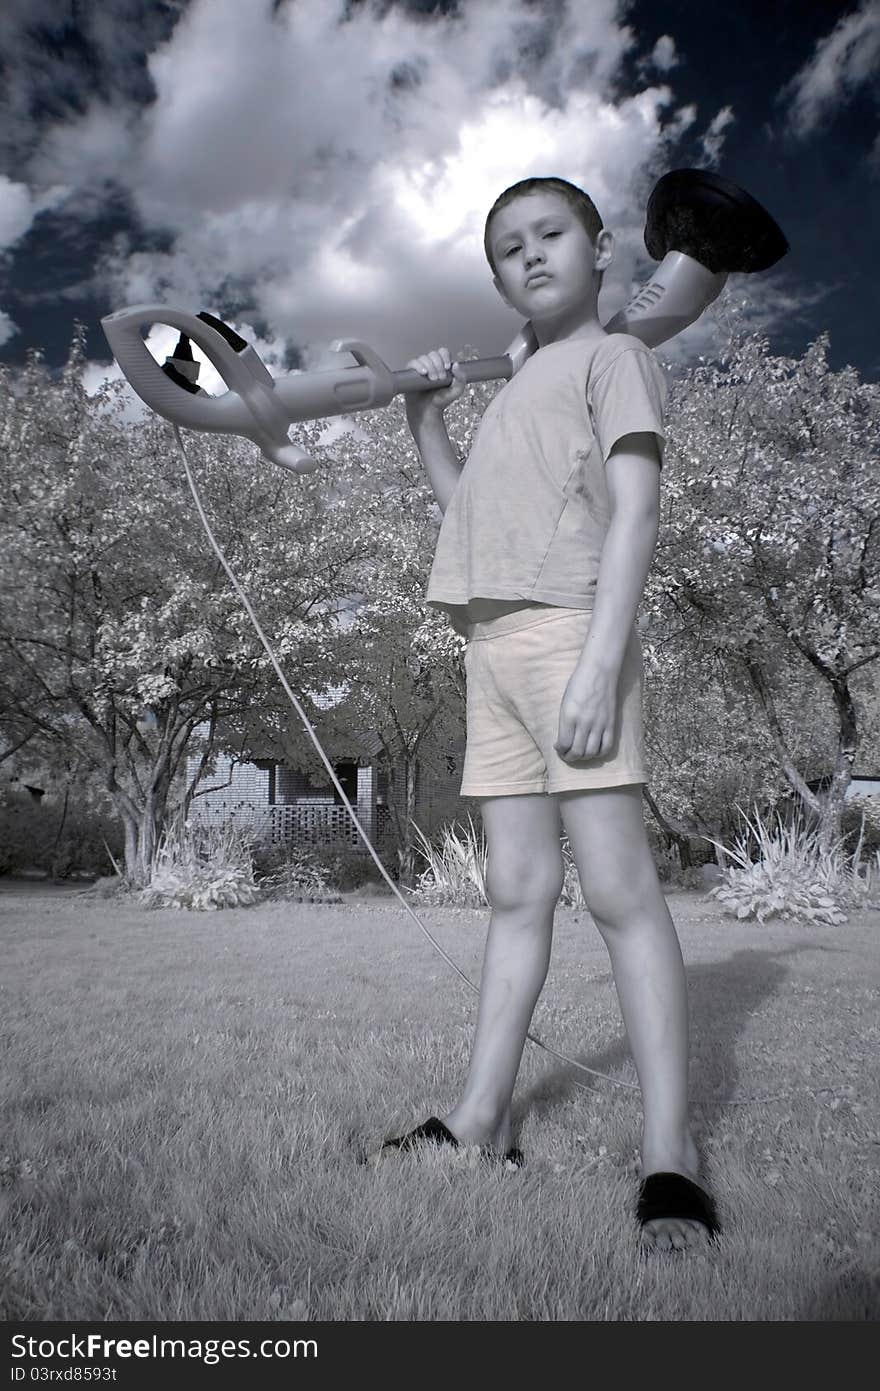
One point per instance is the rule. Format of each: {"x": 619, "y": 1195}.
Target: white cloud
{"x": 7, "y": 328}
{"x": 664, "y": 55}
{"x": 712, "y": 140}
{"x": 16, "y": 212}
{"x": 843, "y": 61}
{"x": 19, "y": 207}
{"x": 331, "y": 178}
{"x": 96, "y": 147}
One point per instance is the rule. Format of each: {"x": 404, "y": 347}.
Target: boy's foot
{"x": 675, "y": 1211}
{"x": 433, "y": 1131}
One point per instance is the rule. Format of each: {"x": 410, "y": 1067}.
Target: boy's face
{"x": 545, "y": 261}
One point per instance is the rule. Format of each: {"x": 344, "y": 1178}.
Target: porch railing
{"x": 299, "y": 823}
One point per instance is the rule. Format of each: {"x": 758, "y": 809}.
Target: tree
{"x": 769, "y": 550}
{"x": 119, "y": 632}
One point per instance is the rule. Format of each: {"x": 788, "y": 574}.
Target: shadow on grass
{"x": 853, "y": 1297}
{"x": 721, "y": 996}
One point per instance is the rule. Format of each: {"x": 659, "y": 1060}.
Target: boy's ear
{"x": 500, "y": 288}
{"x": 605, "y": 249}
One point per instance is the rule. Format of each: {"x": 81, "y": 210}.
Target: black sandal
{"x": 435, "y": 1132}
{"x": 674, "y": 1195}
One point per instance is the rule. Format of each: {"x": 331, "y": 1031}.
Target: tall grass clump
{"x": 202, "y": 867}
{"x": 793, "y": 877}
{"x": 455, "y": 871}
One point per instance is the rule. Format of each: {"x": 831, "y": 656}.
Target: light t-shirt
{"x": 528, "y": 517}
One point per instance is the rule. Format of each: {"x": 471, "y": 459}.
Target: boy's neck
{"x": 582, "y": 325}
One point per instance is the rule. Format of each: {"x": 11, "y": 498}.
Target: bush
{"x": 794, "y": 878}
{"x": 349, "y": 866}
{"x": 456, "y": 871}
{"x": 29, "y": 837}
{"x": 201, "y": 867}
{"x": 288, "y": 872}
{"x": 861, "y": 818}
{"x": 670, "y": 872}
{"x": 318, "y": 872}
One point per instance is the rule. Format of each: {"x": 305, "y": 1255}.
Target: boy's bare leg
{"x": 524, "y": 880}
{"x": 514, "y": 970}
{"x": 609, "y": 842}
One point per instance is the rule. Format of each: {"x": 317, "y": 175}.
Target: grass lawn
{"x": 186, "y": 1096}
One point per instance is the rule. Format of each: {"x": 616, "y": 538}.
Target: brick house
{"x": 286, "y": 806}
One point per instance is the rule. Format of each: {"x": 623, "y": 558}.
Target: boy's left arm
{"x": 589, "y": 707}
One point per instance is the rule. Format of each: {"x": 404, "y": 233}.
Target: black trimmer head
{"x": 713, "y": 220}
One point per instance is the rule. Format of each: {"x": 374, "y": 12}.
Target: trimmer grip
{"x": 477, "y": 369}
{"x": 155, "y": 387}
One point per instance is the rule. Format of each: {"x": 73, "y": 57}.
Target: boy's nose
{"x": 533, "y": 256}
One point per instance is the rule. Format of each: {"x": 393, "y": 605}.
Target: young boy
{"x": 546, "y": 542}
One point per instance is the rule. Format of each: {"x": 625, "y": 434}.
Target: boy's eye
{"x": 516, "y": 247}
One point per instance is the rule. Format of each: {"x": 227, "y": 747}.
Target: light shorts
{"x": 518, "y": 666}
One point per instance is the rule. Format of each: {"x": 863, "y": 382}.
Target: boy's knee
{"x": 525, "y": 885}
{"x": 615, "y": 903}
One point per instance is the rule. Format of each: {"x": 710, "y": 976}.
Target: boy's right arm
{"x": 424, "y": 415}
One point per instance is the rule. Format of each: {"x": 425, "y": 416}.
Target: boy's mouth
{"x": 537, "y": 279}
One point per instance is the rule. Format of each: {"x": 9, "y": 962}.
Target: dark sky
{"x": 310, "y": 175}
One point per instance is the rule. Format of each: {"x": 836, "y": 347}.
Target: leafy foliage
{"x": 120, "y": 636}
{"x": 317, "y": 873}
{"x": 348, "y": 865}
{"x": 794, "y": 877}
{"x": 61, "y": 841}
{"x": 201, "y": 867}
{"x": 762, "y": 607}
{"x": 456, "y": 870}
{"x": 283, "y": 873}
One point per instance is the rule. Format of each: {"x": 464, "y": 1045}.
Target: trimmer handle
{"x": 257, "y": 405}
{"x": 703, "y": 227}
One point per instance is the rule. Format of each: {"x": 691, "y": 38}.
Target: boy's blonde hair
{"x": 580, "y": 203}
